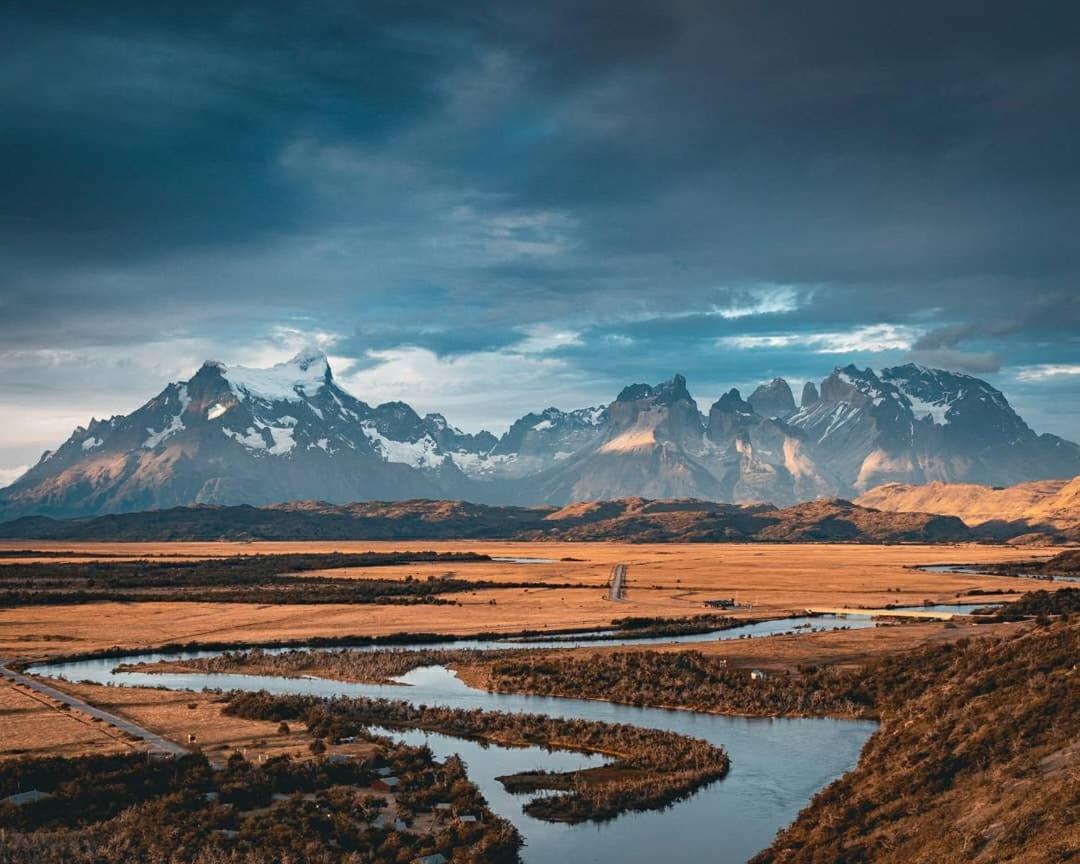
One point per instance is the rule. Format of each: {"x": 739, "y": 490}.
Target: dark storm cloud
{"x": 655, "y": 177}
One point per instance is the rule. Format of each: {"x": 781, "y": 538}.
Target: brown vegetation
{"x": 976, "y": 760}
{"x": 367, "y": 667}
{"x": 239, "y": 579}
{"x": 1064, "y": 601}
{"x": 653, "y": 768}
{"x": 684, "y": 679}
{"x": 109, "y": 809}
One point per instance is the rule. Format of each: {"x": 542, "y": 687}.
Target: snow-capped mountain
{"x": 234, "y": 435}
{"x": 239, "y": 435}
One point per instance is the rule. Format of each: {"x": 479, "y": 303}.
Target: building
{"x": 436, "y": 858}
{"x": 721, "y": 603}
{"x": 386, "y": 784}
{"x": 757, "y": 675}
{"x": 442, "y": 811}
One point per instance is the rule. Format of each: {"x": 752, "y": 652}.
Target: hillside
{"x": 1040, "y": 506}
{"x": 976, "y": 760}
{"x": 632, "y": 519}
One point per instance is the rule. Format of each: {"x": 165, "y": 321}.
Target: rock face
{"x": 261, "y": 436}
{"x": 773, "y": 399}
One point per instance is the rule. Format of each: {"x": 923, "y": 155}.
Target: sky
{"x": 486, "y": 208}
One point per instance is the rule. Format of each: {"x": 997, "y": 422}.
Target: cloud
{"x": 475, "y": 391}
{"x": 874, "y": 338}
{"x": 939, "y": 347}
{"x": 974, "y": 362}
{"x": 1043, "y": 371}
{"x": 542, "y": 338}
{"x": 438, "y": 176}
{"x": 764, "y": 301}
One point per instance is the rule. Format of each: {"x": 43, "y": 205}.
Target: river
{"x": 976, "y": 570}
{"x": 776, "y": 764}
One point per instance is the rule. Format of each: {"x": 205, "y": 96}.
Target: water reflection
{"x": 776, "y": 764}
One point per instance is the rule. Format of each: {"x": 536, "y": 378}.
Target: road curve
{"x": 155, "y": 742}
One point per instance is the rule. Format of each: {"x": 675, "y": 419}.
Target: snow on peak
{"x": 311, "y": 357}
{"x": 293, "y": 381}
{"x": 175, "y": 424}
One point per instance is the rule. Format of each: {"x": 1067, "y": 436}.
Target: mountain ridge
{"x": 628, "y": 520}
{"x": 234, "y": 435}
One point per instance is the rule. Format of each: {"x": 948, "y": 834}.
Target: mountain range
{"x": 234, "y": 435}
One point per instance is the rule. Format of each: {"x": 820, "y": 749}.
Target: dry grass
{"x": 34, "y": 725}
{"x": 177, "y": 714}
{"x": 669, "y": 580}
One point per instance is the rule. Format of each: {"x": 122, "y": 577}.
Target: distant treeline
{"x": 271, "y": 579}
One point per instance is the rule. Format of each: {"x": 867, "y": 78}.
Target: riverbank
{"x": 976, "y": 760}
{"x": 651, "y": 769}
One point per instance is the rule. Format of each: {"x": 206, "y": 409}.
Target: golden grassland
{"x": 663, "y": 580}
{"x": 34, "y": 725}
{"x": 175, "y": 715}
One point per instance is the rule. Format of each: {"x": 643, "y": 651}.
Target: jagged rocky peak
{"x": 942, "y": 396}
{"x": 666, "y": 393}
{"x": 852, "y": 384}
{"x": 733, "y": 403}
{"x": 774, "y": 399}
{"x": 236, "y": 435}
{"x": 730, "y": 414}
